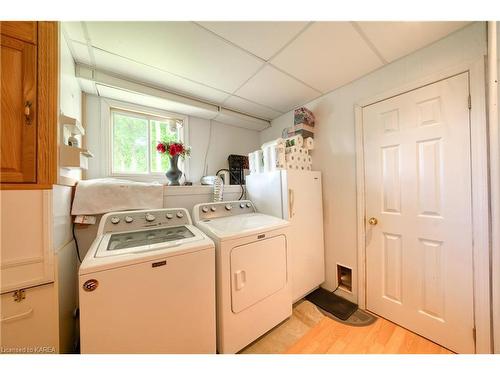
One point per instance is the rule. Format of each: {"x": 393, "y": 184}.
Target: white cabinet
{"x": 28, "y": 321}
{"x": 26, "y": 257}
{"x": 28, "y": 306}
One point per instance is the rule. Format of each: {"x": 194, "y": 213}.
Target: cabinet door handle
{"x": 17, "y": 317}
{"x": 27, "y": 112}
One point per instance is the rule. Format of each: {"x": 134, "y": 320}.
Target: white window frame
{"x": 109, "y": 105}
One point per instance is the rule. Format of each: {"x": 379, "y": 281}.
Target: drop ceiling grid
{"x": 328, "y": 55}
{"x": 182, "y": 48}
{"x": 97, "y": 51}
{"x": 255, "y": 99}
{"x": 260, "y": 38}
{"x": 414, "y": 34}
{"x": 155, "y": 77}
{"x": 296, "y": 85}
{"x": 101, "y": 63}
{"x": 209, "y": 26}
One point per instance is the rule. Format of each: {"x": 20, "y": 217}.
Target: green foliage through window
{"x": 134, "y": 143}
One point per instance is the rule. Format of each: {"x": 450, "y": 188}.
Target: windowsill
{"x": 197, "y": 189}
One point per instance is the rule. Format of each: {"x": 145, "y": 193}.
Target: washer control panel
{"x": 207, "y": 211}
{"x": 140, "y": 219}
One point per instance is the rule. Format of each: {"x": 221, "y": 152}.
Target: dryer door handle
{"x": 240, "y": 278}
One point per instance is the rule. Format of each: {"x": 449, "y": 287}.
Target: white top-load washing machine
{"x": 252, "y": 265}
{"x": 147, "y": 285}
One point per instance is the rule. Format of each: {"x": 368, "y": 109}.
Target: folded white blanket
{"x": 109, "y": 194}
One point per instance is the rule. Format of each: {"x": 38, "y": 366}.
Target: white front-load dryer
{"x": 252, "y": 268}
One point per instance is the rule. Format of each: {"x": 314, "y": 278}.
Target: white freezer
{"x": 295, "y": 196}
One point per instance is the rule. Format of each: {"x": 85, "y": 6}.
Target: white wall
{"x": 335, "y": 136}
{"x": 70, "y": 94}
{"x": 225, "y": 140}
{"x": 70, "y": 103}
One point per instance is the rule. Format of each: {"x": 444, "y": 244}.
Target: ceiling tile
{"x": 274, "y": 89}
{"x": 80, "y": 52}
{"x": 155, "y": 77}
{"x": 328, "y": 55}
{"x": 245, "y": 106}
{"x": 263, "y": 39}
{"x": 182, "y": 48}
{"x": 397, "y": 39}
{"x": 152, "y": 101}
{"x": 74, "y": 30}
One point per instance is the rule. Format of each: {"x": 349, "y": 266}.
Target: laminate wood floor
{"x": 382, "y": 337}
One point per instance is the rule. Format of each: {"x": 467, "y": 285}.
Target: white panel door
{"x": 418, "y": 187}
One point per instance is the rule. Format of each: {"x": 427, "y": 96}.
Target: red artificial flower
{"x": 161, "y": 148}
{"x": 173, "y": 150}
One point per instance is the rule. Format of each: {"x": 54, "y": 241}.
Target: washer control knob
{"x": 242, "y": 205}
{"x": 129, "y": 219}
{"x": 150, "y": 217}
{"x": 205, "y": 209}
{"x": 249, "y": 205}
{"x": 213, "y": 208}
{"x": 169, "y": 216}
{"x": 228, "y": 207}
{"x": 180, "y": 215}
{"x": 115, "y": 219}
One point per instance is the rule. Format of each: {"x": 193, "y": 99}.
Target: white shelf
{"x": 74, "y": 157}
{"x": 72, "y": 124}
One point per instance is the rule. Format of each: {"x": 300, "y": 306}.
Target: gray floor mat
{"x": 330, "y": 302}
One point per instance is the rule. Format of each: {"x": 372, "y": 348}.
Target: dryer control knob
{"x": 242, "y": 205}
{"x": 115, "y": 219}
{"x": 129, "y": 219}
{"x": 205, "y": 209}
{"x": 150, "y": 217}
{"x": 228, "y": 207}
{"x": 180, "y": 215}
{"x": 169, "y": 216}
{"x": 249, "y": 205}
{"x": 213, "y": 208}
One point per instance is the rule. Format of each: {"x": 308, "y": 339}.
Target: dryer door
{"x": 258, "y": 270}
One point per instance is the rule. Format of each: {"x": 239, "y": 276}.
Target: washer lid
{"x": 162, "y": 246}
{"x": 139, "y": 241}
{"x": 241, "y": 225}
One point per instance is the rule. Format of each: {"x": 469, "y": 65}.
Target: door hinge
{"x": 469, "y": 102}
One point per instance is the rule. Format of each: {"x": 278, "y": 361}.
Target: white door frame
{"x": 480, "y": 198}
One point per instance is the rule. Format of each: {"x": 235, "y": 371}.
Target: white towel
{"x": 109, "y": 194}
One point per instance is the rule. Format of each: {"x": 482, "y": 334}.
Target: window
{"x": 134, "y": 136}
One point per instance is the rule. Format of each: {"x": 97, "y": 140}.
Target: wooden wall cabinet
{"x": 28, "y": 117}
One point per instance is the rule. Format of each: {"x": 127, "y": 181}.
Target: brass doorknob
{"x": 372, "y": 221}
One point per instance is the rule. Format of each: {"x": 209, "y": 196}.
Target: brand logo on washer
{"x": 159, "y": 264}
{"x": 261, "y": 236}
{"x": 90, "y": 285}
